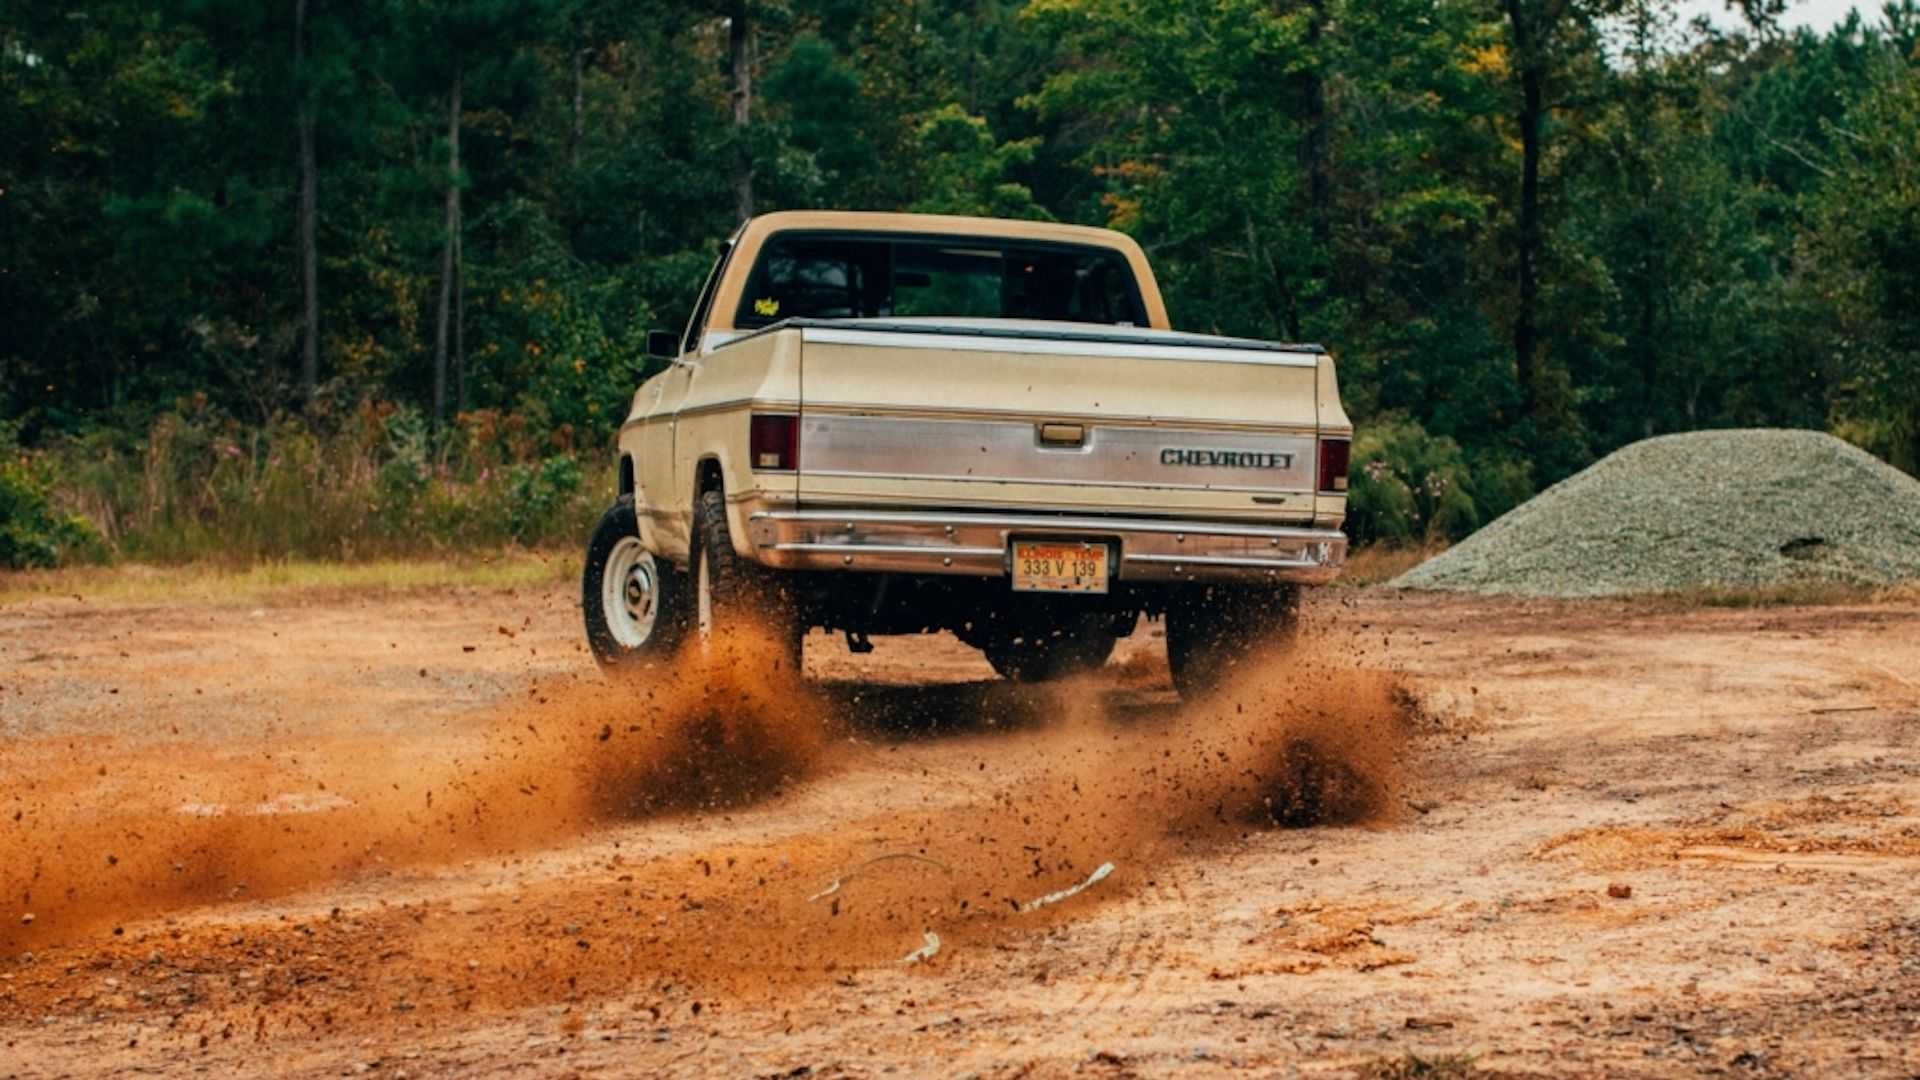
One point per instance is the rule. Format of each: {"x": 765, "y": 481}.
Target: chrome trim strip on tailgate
{"x": 836, "y": 444}
{"x": 977, "y": 544}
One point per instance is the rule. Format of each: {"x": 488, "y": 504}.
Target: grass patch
{"x": 1900, "y": 594}
{"x": 1382, "y": 562}
{"x": 373, "y": 481}
{"x": 218, "y": 585}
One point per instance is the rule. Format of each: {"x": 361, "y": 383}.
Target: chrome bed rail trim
{"x": 1054, "y": 346}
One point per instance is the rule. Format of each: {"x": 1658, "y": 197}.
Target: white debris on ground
{"x": 925, "y": 952}
{"x": 1093, "y": 879}
{"x": 1743, "y": 509}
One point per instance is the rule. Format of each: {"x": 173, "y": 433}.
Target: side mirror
{"x": 663, "y": 345}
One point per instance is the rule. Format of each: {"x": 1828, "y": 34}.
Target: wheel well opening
{"x": 707, "y": 477}
{"x": 626, "y": 475}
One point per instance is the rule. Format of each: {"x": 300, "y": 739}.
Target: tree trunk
{"x": 1532, "y": 109}
{"x": 973, "y": 57}
{"x": 1313, "y": 147}
{"x": 575, "y": 132}
{"x": 449, "y": 249}
{"x": 1650, "y": 287}
{"x": 309, "y": 213}
{"x": 740, "y": 59}
{"x": 1646, "y": 352}
{"x": 1262, "y": 256}
{"x": 1906, "y": 454}
{"x": 459, "y": 321}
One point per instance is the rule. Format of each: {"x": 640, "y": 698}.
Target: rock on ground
{"x": 1709, "y": 509}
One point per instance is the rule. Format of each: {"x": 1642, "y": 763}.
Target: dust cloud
{"x": 1309, "y": 737}
{"x": 718, "y": 726}
{"x": 1302, "y": 739}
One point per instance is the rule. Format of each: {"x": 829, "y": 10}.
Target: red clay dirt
{"x": 422, "y": 835}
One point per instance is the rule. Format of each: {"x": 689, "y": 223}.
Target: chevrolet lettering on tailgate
{"x": 1232, "y": 459}
{"x": 906, "y": 424}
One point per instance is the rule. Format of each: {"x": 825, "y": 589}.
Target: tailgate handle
{"x": 1063, "y": 435}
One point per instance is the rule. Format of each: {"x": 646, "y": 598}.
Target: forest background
{"x": 351, "y": 278}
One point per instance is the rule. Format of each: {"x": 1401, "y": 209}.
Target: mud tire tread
{"x": 1212, "y": 630}
{"x": 741, "y": 588}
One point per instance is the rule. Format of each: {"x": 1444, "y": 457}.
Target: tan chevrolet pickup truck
{"x": 904, "y": 424}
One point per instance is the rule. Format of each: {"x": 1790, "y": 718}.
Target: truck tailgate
{"x": 1079, "y": 419}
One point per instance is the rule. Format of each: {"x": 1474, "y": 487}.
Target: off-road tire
{"x": 620, "y": 631}
{"x": 1079, "y": 643}
{"x": 1213, "y": 630}
{"x": 739, "y": 591}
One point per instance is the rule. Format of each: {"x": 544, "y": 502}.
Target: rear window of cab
{"x": 849, "y": 276}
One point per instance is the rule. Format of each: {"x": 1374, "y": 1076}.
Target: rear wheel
{"x": 1213, "y": 630}
{"x": 1073, "y": 645}
{"x": 632, "y": 602}
{"x": 732, "y": 594}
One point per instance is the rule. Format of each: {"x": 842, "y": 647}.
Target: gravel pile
{"x": 1741, "y": 509}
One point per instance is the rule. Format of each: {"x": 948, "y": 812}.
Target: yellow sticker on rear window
{"x": 766, "y": 306}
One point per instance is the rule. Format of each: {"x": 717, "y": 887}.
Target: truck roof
{"x": 936, "y": 224}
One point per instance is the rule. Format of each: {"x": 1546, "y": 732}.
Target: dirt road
{"x": 419, "y": 835}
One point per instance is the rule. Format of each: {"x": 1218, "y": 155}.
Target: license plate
{"x": 1059, "y": 566}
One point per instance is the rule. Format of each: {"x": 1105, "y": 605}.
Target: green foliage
{"x": 1224, "y": 195}
{"x": 539, "y": 493}
{"x": 965, "y": 169}
{"x": 1864, "y": 261}
{"x": 33, "y": 533}
{"x": 1409, "y": 486}
{"x": 1727, "y": 229}
{"x": 376, "y": 481}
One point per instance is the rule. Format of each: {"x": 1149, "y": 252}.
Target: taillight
{"x": 1335, "y": 455}
{"x": 773, "y": 442}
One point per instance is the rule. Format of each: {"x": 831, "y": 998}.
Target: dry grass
{"x": 1377, "y": 563}
{"x": 1900, "y": 594}
{"x": 375, "y": 482}
{"x": 212, "y": 584}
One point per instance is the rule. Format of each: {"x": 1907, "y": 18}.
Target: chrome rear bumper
{"x": 1146, "y": 549}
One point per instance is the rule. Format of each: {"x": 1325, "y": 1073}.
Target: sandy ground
{"x": 419, "y": 835}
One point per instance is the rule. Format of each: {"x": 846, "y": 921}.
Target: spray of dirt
{"x": 721, "y": 725}
{"x": 1306, "y": 740}
{"x": 1309, "y": 738}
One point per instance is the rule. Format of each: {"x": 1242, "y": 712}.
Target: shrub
{"x": 538, "y": 494}
{"x": 370, "y": 481}
{"x": 33, "y": 533}
{"x": 1408, "y": 486}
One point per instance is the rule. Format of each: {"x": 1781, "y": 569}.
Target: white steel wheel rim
{"x": 630, "y": 593}
{"x": 703, "y": 597}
